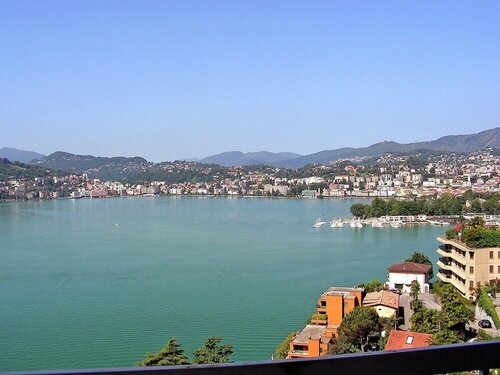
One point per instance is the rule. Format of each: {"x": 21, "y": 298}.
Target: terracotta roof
{"x": 382, "y": 297}
{"x": 410, "y": 268}
{"x": 310, "y": 331}
{"x": 407, "y": 340}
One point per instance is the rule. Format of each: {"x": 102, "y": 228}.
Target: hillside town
{"x": 398, "y": 176}
{"x": 410, "y": 309}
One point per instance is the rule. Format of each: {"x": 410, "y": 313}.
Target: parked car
{"x": 484, "y": 323}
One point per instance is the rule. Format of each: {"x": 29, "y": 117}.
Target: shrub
{"x": 479, "y": 237}
{"x": 318, "y": 316}
{"x": 484, "y": 302}
{"x": 451, "y": 234}
{"x": 281, "y": 351}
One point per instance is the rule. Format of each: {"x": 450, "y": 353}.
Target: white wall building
{"x": 401, "y": 276}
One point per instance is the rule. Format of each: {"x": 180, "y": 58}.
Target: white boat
{"x": 434, "y": 222}
{"x": 377, "y": 224}
{"x": 397, "y": 224}
{"x": 319, "y": 223}
{"x": 337, "y": 223}
{"x": 356, "y": 223}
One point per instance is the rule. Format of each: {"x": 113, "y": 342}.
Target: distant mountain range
{"x": 97, "y": 167}
{"x": 232, "y": 158}
{"x": 15, "y": 169}
{"x": 125, "y": 167}
{"x": 450, "y": 143}
{"x": 13, "y": 154}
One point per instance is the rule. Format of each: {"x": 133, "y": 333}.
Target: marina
{"x": 386, "y": 221}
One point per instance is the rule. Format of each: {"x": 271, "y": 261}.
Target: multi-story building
{"x": 316, "y": 339}
{"x": 336, "y": 303}
{"x": 312, "y": 341}
{"x": 464, "y": 267}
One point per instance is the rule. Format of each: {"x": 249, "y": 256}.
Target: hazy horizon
{"x": 197, "y": 158}
{"x": 189, "y": 79}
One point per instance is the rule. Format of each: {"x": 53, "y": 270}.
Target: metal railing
{"x": 480, "y": 356}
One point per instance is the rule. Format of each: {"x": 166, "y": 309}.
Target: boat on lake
{"x": 337, "y": 223}
{"x": 356, "y": 223}
{"x": 319, "y": 223}
{"x": 397, "y": 224}
{"x": 435, "y": 222}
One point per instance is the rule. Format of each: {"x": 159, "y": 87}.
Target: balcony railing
{"x": 480, "y": 356}
{"x": 445, "y": 248}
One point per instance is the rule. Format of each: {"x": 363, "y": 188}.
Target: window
{"x": 498, "y": 256}
{"x": 498, "y": 269}
{"x": 471, "y": 284}
{"x": 491, "y": 254}
{"x": 471, "y": 269}
{"x": 491, "y": 269}
{"x": 471, "y": 255}
{"x": 409, "y": 340}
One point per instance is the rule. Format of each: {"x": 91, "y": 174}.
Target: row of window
{"x": 492, "y": 269}
{"x": 492, "y": 253}
{"x": 471, "y": 254}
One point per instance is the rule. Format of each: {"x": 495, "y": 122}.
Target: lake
{"x": 99, "y": 282}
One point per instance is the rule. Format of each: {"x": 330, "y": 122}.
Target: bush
{"x": 451, "y": 234}
{"x": 318, "y": 316}
{"x": 479, "y": 237}
{"x": 486, "y": 304}
{"x": 281, "y": 351}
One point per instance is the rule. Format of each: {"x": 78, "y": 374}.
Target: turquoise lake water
{"x": 98, "y": 283}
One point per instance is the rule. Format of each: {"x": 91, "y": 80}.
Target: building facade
{"x": 464, "y": 267}
{"x": 316, "y": 339}
{"x": 401, "y": 275}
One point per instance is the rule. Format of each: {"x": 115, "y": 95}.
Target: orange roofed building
{"x": 386, "y": 303}
{"x": 316, "y": 339}
{"x": 407, "y": 340}
{"x": 336, "y": 303}
{"x": 312, "y": 341}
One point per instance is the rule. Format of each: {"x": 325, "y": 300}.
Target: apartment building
{"x": 316, "y": 339}
{"x": 336, "y": 303}
{"x": 312, "y": 341}
{"x": 465, "y": 267}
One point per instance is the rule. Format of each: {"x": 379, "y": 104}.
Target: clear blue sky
{"x": 172, "y": 79}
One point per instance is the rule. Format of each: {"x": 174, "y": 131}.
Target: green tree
{"x": 212, "y": 352}
{"x": 281, "y": 351}
{"x": 355, "y": 329}
{"x": 455, "y": 314}
{"x": 445, "y": 336}
{"x": 358, "y": 210}
{"x": 415, "y": 303}
{"x": 169, "y": 355}
{"x": 476, "y": 222}
{"x": 421, "y": 258}
{"x": 373, "y": 286}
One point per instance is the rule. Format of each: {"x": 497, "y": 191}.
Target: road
{"x": 405, "y": 311}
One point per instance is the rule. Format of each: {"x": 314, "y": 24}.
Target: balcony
{"x": 452, "y": 255}
{"x": 450, "y": 277}
{"x": 297, "y": 353}
{"x": 445, "y": 248}
{"x": 452, "y": 267}
{"x": 321, "y": 322}
{"x": 480, "y": 356}
{"x": 321, "y": 309}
